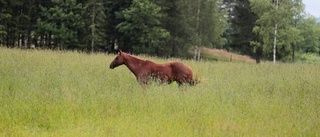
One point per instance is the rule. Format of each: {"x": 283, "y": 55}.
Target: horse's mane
{"x": 134, "y": 58}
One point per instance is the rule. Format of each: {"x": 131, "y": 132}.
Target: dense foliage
{"x": 161, "y": 27}
{"x": 261, "y": 28}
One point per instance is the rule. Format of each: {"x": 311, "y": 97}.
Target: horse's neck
{"x": 134, "y": 64}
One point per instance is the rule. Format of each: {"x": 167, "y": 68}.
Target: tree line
{"x": 262, "y": 29}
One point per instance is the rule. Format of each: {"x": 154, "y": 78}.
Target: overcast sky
{"x": 312, "y": 7}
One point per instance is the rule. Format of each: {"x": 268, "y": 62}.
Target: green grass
{"x": 46, "y": 93}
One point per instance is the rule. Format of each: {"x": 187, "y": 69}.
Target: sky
{"x": 312, "y": 7}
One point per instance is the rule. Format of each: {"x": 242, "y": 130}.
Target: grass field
{"x": 46, "y": 93}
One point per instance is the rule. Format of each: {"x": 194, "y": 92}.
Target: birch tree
{"x": 210, "y": 24}
{"x": 275, "y": 27}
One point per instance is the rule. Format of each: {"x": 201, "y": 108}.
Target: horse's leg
{"x": 143, "y": 83}
{"x": 191, "y": 82}
{"x": 142, "y": 80}
{"x": 185, "y": 81}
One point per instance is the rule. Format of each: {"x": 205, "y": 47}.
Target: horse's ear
{"x": 119, "y": 52}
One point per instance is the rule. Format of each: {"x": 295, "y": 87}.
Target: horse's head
{"x": 119, "y": 60}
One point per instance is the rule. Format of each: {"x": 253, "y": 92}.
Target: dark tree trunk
{"x": 259, "y": 53}
{"x": 293, "y": 48}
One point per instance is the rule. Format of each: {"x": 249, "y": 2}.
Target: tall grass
{"x": 45, "y": 93}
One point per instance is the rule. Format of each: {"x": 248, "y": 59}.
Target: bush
{"x": 308, "y": 58}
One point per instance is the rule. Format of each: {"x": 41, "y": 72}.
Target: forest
{"x": 263, "y": 29}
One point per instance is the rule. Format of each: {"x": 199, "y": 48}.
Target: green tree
{"x": 178, "y": 22}
{"x": 193, "y": 23}
{"x": 274, "y": 27}
{"x": 210, "y": 25}
{"x": 310, "y": 31}
{"x": 115, "y": 38}
{"x": 97, "y": 24}
{"x": 61, "y": 22}
{"x": 17, "y": 19}
{"x": 242, "y": 22}
{"x": 13, "y": 21}
{"x": 3, "y": 19}
{"x": 142, "y": 24}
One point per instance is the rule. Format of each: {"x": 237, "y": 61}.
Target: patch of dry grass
{"x": 224, "y": 55}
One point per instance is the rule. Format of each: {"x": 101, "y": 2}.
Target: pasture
{"x": 46, "y": 93}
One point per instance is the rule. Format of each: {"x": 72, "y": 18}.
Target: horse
{"x": 146, "y": 70}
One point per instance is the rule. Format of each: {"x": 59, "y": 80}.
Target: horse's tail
{"x": 195, "y": 80}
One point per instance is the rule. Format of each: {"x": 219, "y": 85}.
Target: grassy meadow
{"x": 47, "y": 93}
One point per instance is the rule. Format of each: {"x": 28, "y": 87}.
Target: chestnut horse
{"x": 146, "y": 70}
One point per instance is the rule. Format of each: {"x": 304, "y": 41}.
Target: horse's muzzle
{"x": 111, "y": 67}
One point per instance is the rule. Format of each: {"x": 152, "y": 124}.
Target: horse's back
{"x": 181, "y": 70}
